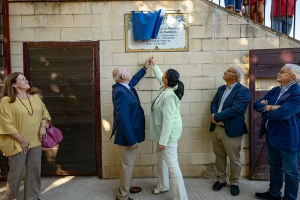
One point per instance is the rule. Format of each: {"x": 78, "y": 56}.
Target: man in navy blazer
{"x": 228, "y": 109}
{"x": 280, "y": 109}
{"x": 129, "y": 125}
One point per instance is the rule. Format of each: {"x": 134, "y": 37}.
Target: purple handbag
{"x": 53, "y": 136}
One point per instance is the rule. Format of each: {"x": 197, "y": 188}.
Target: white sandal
{"x": 156, "y": 192}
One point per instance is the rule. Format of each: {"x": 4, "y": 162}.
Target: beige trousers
{"x": 127, "y": 156}
{"x": 32, "y": 183}
{"x": 224, "y": 146}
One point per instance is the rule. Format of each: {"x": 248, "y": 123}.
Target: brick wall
{"x": 217, "y": 40}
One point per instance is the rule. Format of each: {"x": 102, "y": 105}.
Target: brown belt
{"x": 222, "y": 126}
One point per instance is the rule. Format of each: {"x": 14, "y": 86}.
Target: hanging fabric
{"x": 146, "y": 25}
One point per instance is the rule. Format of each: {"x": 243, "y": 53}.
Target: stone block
{"x": 86, "y": 21}
{"x": 57, "y": 21}
{"x": 202, "y": 57}
{"x": 184, "y": 146}
{"x": 230, "y": 57}
{"x": 186, "y": 134}
{"x": 202, "y": 83}
{"x": 111, "y": 172}
{"x": 42, "y": 8}
{"x": 142, "y": 171}
{"x": 98, "y": 7}
{"x": 237, "y": 20}
{"x": 145, "y": 148}
{"x": 72, "y": 8}
{"x": 34, "y": 21}
{"x": 195, "y": 45}
{"x": 214, "y": 44}
{"x": 195, "y": 19}
{"x": 149, "y": 84}
{"x": 125, "y": 59}
{"x": 117, "y": 33}
{"x": 99, "y": 34}
{"x": 106, "y": 85}
{"x": 176, "y": 58}
{"x": 21, "y": 9}
{"x": 208, "y": 95}
{"x": 189, "y": 70}
{"x": 148, "y": 159}
{"x": 185, "y": 108}
{"x": 15, "y": 22}
{"x": 108, "y": 160}
{"x": 145, "y": 96}
{"x": 184, "y": 158}
{"x": 107, "y": 109}
{"x": 206, "y": 121}
{"x": 191, "y": 170}
{"x": 47, "y": 34}
{"x": 112, "y": 46}
{"x": 123, "y": 5}
{"x": 207, "y": 146}
{"x": 111, "y": 20}
{"x": 227, "y": 31}
{"x": 16, "y": 48}
{"x": 206, "y": 31}
{"x": 196, "y": 146}
{"x": 73, "y": 34}
{"x": 240, "y": 44}
{"x": 201, "y": 134}
{"x": 192, "y": 121}
{"x": 199, "y": 108}
{"x": 192, "y": 96}
{"x": 202, "y": 158}
{"x": 22, "y": 34}
{"x": 266, "y": 43}
{"x": 17, "y": 61}
{"x": 109, "y": 147}
{"x": 106, "y": 59}
{"x": 213, "y": 70}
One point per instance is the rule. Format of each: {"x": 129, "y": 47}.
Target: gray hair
{"x": 239, "y": 72}
{"x": 294, "y": 69}
{"x": 119, "y": 74}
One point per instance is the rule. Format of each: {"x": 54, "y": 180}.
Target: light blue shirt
{"x": 225, "y": 95}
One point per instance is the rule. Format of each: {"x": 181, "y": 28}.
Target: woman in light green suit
{"x": 166, "y": 129}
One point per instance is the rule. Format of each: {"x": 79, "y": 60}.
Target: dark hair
{"x": 8, "y": 89}
{"x": 173, "y": 79}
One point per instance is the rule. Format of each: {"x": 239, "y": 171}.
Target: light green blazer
{"x": 165, "y": 119}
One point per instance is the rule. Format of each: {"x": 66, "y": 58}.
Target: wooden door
{"x": 66, "y": 76}
{"x": 264, "y": 64}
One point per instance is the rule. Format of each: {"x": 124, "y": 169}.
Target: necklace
{"x": 25, "y": 106}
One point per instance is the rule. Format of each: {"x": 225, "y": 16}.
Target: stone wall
{"x": 217, "y": 40}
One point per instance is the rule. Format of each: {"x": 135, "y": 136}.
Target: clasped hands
{"x": 212, "y": 118}
{"x": 149, "y": 62}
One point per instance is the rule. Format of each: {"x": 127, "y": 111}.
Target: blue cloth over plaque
{"x": 146, "y": 25}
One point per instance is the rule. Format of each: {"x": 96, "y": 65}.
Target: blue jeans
{"x": 236, "y": 4}
{"x": 283, "y": 163}
{"x": 279, "y": 24}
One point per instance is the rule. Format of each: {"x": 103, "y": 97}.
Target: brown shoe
{"x": 135, "y": 189}
{"x": 128, "y": 198}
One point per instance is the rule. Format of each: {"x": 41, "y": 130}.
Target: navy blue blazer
{"x": 129, "y": 118}
{"x": 284, "y": 125}
{"x": 233, "y": 110}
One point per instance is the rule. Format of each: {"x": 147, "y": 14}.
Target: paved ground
{"x": 91, "y": 188}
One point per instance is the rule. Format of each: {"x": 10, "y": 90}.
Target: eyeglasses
{"x": 282, "y": 72}
{"x": 231, "y": 71}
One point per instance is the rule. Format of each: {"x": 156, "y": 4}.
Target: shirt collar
{"x": 126, "y": 85}
{"x": 231, "y": 87}
{"x": 286, "y": 87}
